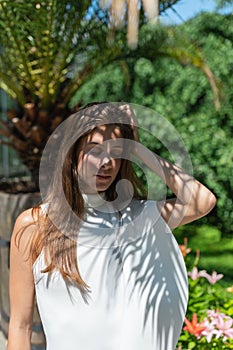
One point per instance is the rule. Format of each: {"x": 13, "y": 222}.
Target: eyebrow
{"x": 99, "y": 144}
{"x": 92, "y": 143}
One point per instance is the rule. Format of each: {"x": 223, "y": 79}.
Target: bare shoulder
{"x": 26, "y": 226}
{"x": 26, "y": 218}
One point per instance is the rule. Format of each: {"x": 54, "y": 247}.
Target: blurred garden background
{"x": 58, "y": 56}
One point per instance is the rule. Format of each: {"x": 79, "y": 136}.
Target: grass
{"x": 216, "y": 250}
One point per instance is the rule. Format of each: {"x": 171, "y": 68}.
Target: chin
{"x": 101, "y": 188}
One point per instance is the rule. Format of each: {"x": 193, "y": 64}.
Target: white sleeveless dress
{"x": 138, "y": 282}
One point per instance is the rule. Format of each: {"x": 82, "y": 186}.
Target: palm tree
{"x": 120, "y": 9}
{"x": 49, "y": 49}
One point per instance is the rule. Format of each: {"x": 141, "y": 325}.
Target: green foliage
{"x": 50, "y": 48}
{"x": 182, "y": 94}
{"x": 224, "y": 3}
{"x": 216, "y": 248}
{"x": 203, "y": 296}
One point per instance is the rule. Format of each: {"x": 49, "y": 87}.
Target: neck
{"x": 94, "y": 200}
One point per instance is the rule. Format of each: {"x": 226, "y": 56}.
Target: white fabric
{"x": 138, "y": 285}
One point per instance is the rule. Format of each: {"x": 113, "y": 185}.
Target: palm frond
{"x": 39, "y": 39}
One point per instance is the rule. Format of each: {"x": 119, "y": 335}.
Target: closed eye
{"x": 116, "y": 152}
{"x": 95, "y": 150}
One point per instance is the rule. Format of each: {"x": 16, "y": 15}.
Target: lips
{"x": 103, "y": 177}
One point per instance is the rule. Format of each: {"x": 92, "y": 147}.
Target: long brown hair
{"x": 57, "y": 233}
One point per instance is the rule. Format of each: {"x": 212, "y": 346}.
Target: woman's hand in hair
{"x": 193, "y": 199}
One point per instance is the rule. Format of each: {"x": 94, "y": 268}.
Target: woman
{"x": 100, "y": 257}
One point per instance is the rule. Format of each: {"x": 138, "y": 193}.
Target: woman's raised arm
{"x": 21, "y": 284}
{"x": 193, "y": 200}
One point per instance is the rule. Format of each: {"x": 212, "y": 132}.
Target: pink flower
{"x": 194, "y": 274}
{"x": 212, "y": 279}
{"x": 224, "y": 327}
{"x": 212, "y": 313}
{"x": 217, "y": 324}
{"x": 209, "y": 331}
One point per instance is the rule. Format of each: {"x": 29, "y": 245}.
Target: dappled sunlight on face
{"x": 100, "y": 158}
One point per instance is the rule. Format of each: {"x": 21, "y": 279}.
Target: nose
{"x": 105, "y": 160}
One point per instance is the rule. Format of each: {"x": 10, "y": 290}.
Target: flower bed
{"x": 208, "y": 323}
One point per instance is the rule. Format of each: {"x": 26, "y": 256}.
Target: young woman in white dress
{"x": 102, "y": 261}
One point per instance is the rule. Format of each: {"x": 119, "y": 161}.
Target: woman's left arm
{"x": 193, "y": 200}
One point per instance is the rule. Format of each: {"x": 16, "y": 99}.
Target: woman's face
{"x": 100, "y": 159}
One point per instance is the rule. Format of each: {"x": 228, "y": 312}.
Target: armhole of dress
{"x": 44, "y": 210}
{"x": 158, "y": 212}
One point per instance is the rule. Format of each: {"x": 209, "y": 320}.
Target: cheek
{"x": 87, "y": 163}
{"x": 117, "y": 165}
